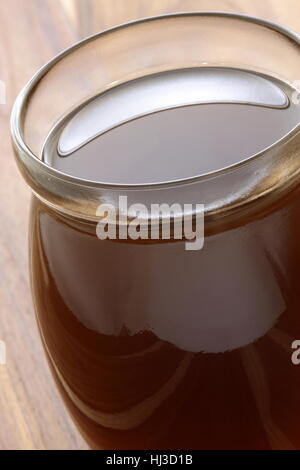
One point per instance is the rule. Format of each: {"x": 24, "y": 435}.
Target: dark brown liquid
{"x": 135, "y": 377}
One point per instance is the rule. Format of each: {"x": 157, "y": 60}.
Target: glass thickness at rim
{"x": 26, "y": 158}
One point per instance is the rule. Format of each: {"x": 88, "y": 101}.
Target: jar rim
{"x": 80, "y": 198}
{"x": 20, "y": 103}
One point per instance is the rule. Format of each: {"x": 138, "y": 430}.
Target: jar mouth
{"x": 224, "y": 191}
{"x": 164, "y": 184}
{"x": 19, "y": 107}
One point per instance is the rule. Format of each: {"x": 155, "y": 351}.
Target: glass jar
{"x": 153, "y": 346}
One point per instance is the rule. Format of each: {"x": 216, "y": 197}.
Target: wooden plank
{"x": 95, "y": 15}
{"x": 31, "y": 412}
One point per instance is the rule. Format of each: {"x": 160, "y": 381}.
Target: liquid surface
{"x": 176, "y": 143}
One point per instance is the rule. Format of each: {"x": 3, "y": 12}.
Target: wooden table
{"x": 31, "y": 32}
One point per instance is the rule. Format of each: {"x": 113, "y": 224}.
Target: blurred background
{"x": 32, "y": 415}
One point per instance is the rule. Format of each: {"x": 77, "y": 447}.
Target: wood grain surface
{"x": 32, "y": 415}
